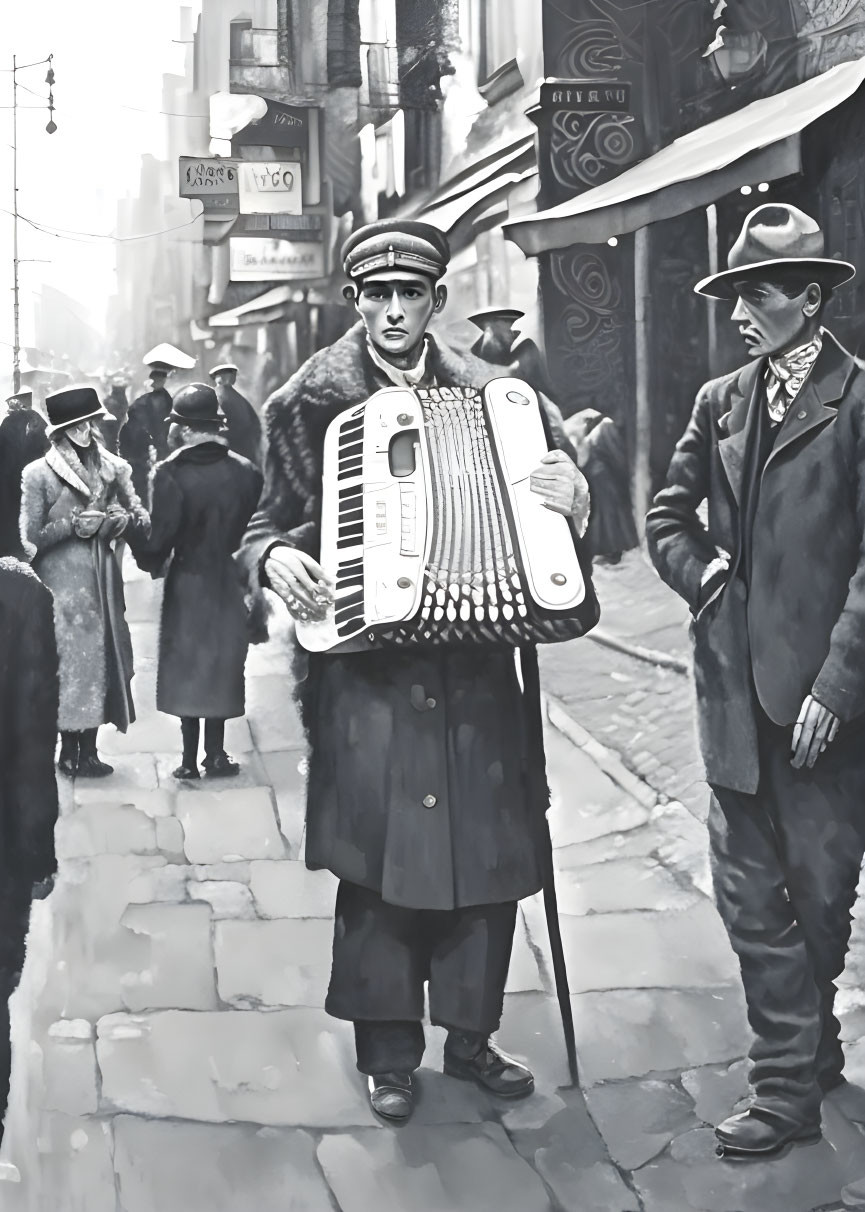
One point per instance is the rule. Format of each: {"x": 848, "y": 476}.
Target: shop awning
{"x": 250, "y": 312}
{"x": 760, "y": 142}
{"x": 498, "y": 172}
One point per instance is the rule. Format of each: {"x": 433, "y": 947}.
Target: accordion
{"x": 430, "y": 531}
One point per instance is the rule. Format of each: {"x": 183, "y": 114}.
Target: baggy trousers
{"x": 382, "y": 956}
{"x": 785, "y": 865}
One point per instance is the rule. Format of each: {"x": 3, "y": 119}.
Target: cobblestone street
{"x": 171, "y": 1053}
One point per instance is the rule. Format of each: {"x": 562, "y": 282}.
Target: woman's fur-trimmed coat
{"x": 426, "y": 776}
{"x": 93, "y": 640}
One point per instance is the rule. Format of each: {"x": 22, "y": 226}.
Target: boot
{"x": 190, "y": 730}
{"x": 764, "y": 1131}
{"x": 67, "y": 763}
{"x": 89, "y": 764}
{"x": 217, "y": 764}
{"x": 473, "y": 1058}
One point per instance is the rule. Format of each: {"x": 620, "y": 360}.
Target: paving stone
{"x": 238, "y": 737}
{"x": 69, "y": 1068}
{"x": 639, "y": 1119}
{"x": 290, "y": 1067}
{"x": 446, "y": 1168}
{"x": 691, "y": 1176}
{"x": 286, "y": 774}
{"x": 586, "y": 803}
{"x": 272, "y": 713}
{"x": 105, "y": 829}
{"x": 531, "y": 1031}
{"x": 204, "y": 1168}
{"x": 523, "y": 975}
{"x": 178, "y": 968}
{"x": 166, "y": 882}
{"x": 152, "y": 732}
{"x": 648, "y": 950}
{"x": 234, "y": 872}
{"x": 289, "y": 889}
{"x": 716, "y": 1089}
{"x": 622, "y": 885}
{"x": 273, "y": 963}
{"x": 638, "y": 843}
{"x": 226, "y": 899}
{"x": 76, "y": 1172}
{"x": 571, "y": 1158}
{"x": 133, "y": 774}
{"x": 635, "y": 1032}
{"x": 250, "y": 775}
{"x": 225, "y": 826}
{"x": 169, "y": 836}
{"x": 685, "y": 845}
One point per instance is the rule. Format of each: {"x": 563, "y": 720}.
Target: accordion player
{"x": 430, "y": 531}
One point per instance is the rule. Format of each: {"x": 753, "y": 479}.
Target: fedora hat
{"x": 196, "y": 405}
{"x": 776, "y": 235}
{"x": 496, "y": 315}
{"x": 71, "y": 406}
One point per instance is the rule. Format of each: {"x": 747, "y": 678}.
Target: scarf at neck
{"x": 399, "y": 377}
{"x": 786, "y": 373}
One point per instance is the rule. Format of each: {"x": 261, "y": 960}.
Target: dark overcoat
{"x": 28, "y": 728}
{"x": 23, "y": 439}
{"x": 203, "y": 498}
{"x": 800, "y": 626}
{"x": 244, "y": 427}
{"x": 143, "y": 439}
{"x": 423, "y": 776}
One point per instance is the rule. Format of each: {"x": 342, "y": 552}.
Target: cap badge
{"x": 391, "y": 257}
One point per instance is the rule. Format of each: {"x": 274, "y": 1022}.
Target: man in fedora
{"x": 203, "y": 497}
{"x": 775, "y": 578}
{"x": 243, "y": 426}
{"x": 22, "y": 440}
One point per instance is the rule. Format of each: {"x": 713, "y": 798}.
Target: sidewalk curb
{"x": 605, "y": 759}
{"x": 652, "y": 656}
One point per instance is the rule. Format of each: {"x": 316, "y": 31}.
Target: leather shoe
{"x": 186, "y": 773}
{"x": 491, "y": 1069}
{"x": 391, "y": 1096}
{"x": 68, "y": 765}
{"x": 762, "y": 1132}
{"x": 220, "y": 767}
{"x": 92, "y": 767}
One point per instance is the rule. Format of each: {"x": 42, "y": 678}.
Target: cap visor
{"x": 721, "y": 286}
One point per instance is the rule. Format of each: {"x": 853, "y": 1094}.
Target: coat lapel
{"x": 739, "y": 423}
{"x": 55, "y": 460}
{"x": 817, "y": 402}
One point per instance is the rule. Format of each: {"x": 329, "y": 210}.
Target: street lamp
{"x": 51, "y": 127}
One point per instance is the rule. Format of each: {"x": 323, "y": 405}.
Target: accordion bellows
{"x": 430, "y": 529}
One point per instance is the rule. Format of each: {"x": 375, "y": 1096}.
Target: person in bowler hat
{"x": 77, "y": 500}
{"x": 775, "y": 579}
{"x": 433, "y": 836}
{"x": 22, "y": 441}
{"x": 203, "y": 497}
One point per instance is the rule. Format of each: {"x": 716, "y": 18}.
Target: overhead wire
{"x": 68, "y": 233}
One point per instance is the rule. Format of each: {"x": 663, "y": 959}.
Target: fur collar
{"x": 66, "y": 465}
{"x": 343, "y": 374}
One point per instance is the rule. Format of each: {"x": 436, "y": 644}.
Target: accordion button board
{"x": 374, "y": 528}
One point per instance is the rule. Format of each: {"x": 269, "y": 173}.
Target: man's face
{"x": 397, "y": 308}
{"x": 226, "y": 379}
{"x": 769, "y": 320}
{"x": 157, "y": 378}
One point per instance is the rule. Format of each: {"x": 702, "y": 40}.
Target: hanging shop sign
{"x": 270, "y": 188}
{"x": 257, "y": 260}
{"x": 213, "y": 182}
{"x": 292, "y": 227}
{"x": 281, "y": 126}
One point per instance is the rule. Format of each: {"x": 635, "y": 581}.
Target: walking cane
{"x": 544, "y": 843}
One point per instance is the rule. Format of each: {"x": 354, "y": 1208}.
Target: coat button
{"x": 431, "y": 703}
{"x": 802, "y": 415}
{"x": 429, "y": 801}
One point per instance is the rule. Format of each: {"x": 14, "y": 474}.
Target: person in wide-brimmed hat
{"x": 76, "y": 501}
{"x": 203, "y": 497}
{"x": 775, "y": 578}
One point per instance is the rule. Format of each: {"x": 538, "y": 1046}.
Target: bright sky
{"x": 109, "y": 59}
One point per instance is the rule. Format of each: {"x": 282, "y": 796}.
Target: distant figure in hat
{"x": 774, "y": 574}
{"x": 116, "y": 412}
{"x": 244, "y": 428}
{"x": 503, "y": 344}
{"x": 76, "y": 502}
{"x": 22, "y": 440}
{"x": 143, "y": 440}
{"x": 203, "y": 498}
{"x": 420, "y": 792}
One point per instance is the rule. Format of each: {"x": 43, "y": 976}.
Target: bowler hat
{"x": 25, "y": 395}
{"x": 225, "y": 368}
{"x": 773, "y": 236}
{"x": 71, "y": 406}
{"x": 196, "y": 405}
{"x": 403, "y": 244}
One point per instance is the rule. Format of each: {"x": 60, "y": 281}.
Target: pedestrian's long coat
{"x": 426, "y": 779}
{"x": 143, "y": 439}
{"x": 800, "y": 626}
{"x": 244, "y": 427}
{"x": 22, "y": 441}
{"x": 85, "y": 578}
{"x": 203, "y": 498}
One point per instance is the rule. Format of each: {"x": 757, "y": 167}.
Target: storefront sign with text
{"x": 256, "y": 260}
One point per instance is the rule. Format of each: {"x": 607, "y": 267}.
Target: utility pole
{"x": 51, "y": 127}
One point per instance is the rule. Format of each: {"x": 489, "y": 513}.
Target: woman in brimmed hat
{"x": 76, "y": 501}
{"x": 203, "y": 497}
